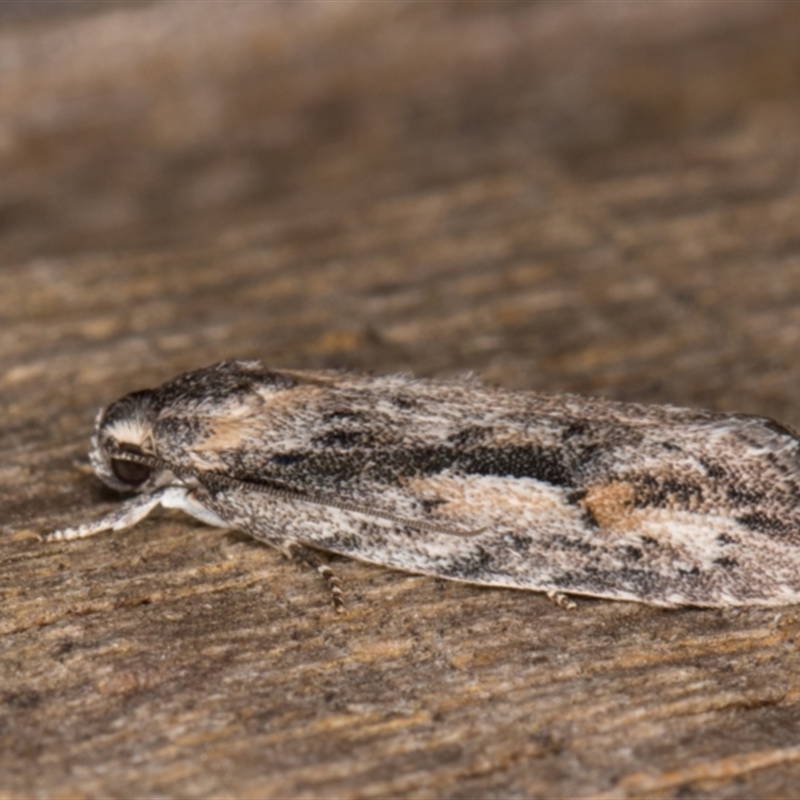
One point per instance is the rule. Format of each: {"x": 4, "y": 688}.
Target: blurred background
{"x": 599, "y": 197}
{"x": 591, "y": 197}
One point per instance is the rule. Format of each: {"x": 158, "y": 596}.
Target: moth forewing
{"x": 554, "y": 493}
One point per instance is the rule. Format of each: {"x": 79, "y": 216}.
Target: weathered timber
{"x": 601, "y": 198}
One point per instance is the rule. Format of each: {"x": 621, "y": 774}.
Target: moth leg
{"x": 300, "y": 552}
{"x": 125, "y": 515}
{"x": 561, "y": 600}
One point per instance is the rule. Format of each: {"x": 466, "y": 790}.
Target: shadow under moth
{"x": 553, "y": 493}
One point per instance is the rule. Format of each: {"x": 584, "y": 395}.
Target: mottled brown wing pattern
{"x": 556, "y": 493}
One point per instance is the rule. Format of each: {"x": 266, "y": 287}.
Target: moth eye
{"x": 130, "y": 472}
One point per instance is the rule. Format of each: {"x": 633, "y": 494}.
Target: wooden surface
{"x": 594, "y": 197}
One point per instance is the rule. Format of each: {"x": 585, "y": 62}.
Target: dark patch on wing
{"x": 581, "y": 434}
{"x": 567, "y": 543}
{"x": 585, "y": 456}
{"x": 476, "y": 565}
{"x": 588, "y": 518}
{"x": 517, "y": 461}
{"x": 470, "y": 436}
{"x": 346, "y": 439}
{"x": 347, "y": 456}
{"x": 181, "y": 430}
{"x": 574, "y": 498}
{"x": 431, "y": 504}
{"x": 670, "y": 493}
{"x": 388, "y": 465}
{"x": 726, "y": 562}
{"x": 670, "y": 447}
{"x": 412, "y": 462}
{"x": 763, "y": 523}
{"x": 520, "y": 542}
{"x": 742, "y": 496}
{"x": 288, "y": 459}
{"x": 592, "y": 578}
{"x": 351, "y": 542}
{"x": 404, "y": 401}
{"x": 714, "y": 471}
{"x": 574, "y": 429}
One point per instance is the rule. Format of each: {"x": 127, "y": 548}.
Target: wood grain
{"x": 601, "y": 198}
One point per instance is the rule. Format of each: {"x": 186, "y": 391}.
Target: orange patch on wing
{"x": 261, "y": 417}
{"x": 276, "y": 406}
{"x": 611, "y": 505}
{"x": 226, "y": 434}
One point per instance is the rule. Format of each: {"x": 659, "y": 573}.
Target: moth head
{"x": 163, "y": 436}
{"x": 123, "y": 454}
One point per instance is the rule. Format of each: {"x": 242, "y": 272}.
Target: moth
{"x": 553, "y": 493}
